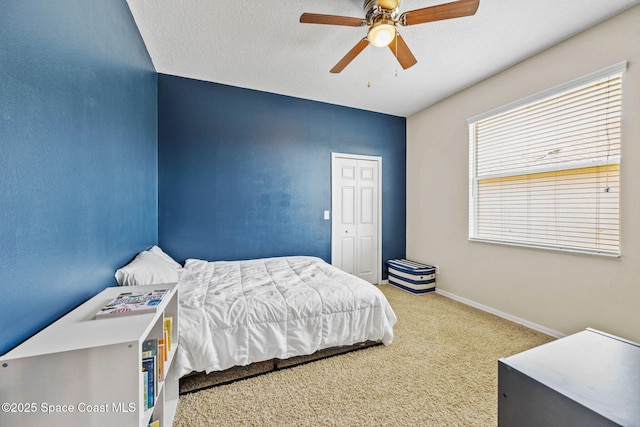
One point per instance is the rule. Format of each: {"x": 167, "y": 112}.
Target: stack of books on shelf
{"x": 155, "y": 353}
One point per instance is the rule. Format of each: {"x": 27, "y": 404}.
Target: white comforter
{"x": 233, "y": 313}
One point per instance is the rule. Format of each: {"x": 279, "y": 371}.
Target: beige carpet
{"x": 441, "y": 370}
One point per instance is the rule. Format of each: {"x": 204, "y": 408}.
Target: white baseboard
{"x": 504, "y": 315}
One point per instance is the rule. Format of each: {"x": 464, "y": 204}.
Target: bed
{"x": 235, "y": 313}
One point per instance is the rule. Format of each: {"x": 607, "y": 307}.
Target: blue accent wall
{"x": 78, "y": 156}
{"x": 247, "y": 174}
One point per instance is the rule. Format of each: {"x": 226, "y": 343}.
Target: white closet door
{"x": 356, "y": 215}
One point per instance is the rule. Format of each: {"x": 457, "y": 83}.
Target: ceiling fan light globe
{"x": 389, "y": 4}
{"x": 381, "y": 34}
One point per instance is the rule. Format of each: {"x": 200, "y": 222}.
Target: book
{"x": 160, "y": 360}
{"x": 165, "y": 348}
{"x": 150, "y": 349}
{"x": 145, "y": 384}
{"x": 132, "y": 303}
{"x": 149, "y": 365}
{"x": 168, "y": 326}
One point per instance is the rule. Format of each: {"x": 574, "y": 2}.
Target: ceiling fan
{"x": 383, "y": 18}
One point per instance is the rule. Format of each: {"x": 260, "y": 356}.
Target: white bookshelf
{"x": 82, "y": 371}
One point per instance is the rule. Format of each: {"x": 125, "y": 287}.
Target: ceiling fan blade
{"x": 315, "y": 18}
{"x": 440, "y": 12}
{"x": 403, "y": 53}
{"x": 355, "y": 51}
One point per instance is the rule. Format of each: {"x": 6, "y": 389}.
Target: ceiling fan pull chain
{"x": 369, "y": 67}
{"x": 396, "y": 41}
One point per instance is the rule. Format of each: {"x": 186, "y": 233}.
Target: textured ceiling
{"x": 261, "y": 45}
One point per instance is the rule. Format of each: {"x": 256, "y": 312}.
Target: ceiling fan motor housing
{"x": 377, "y": 10}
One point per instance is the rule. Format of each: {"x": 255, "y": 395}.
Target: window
{"x": 545, "y": 170}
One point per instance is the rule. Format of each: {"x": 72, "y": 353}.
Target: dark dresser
{"x": 587, "y": 379}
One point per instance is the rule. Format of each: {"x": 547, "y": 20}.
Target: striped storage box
{"x": 412, "y": 276}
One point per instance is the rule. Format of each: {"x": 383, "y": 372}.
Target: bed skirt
{"x": 197, "y": 381}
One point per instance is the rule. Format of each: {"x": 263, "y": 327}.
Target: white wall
{"x": 560, "y": 291}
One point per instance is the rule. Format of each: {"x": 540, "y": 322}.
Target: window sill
{"x": 598, "y": 252}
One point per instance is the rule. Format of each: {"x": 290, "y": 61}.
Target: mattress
{"x": 234, "y": 313}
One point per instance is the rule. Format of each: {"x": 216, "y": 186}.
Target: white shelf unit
{"x": 82, "y": 371}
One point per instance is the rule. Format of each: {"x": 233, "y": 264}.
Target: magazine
{"x": 133, "y": 303}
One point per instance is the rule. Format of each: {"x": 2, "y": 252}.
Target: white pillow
{"x": 156, "y": 250}
{"x": 149, "y": 268}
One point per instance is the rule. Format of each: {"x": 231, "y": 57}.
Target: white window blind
{"x": 545, "y": 171}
